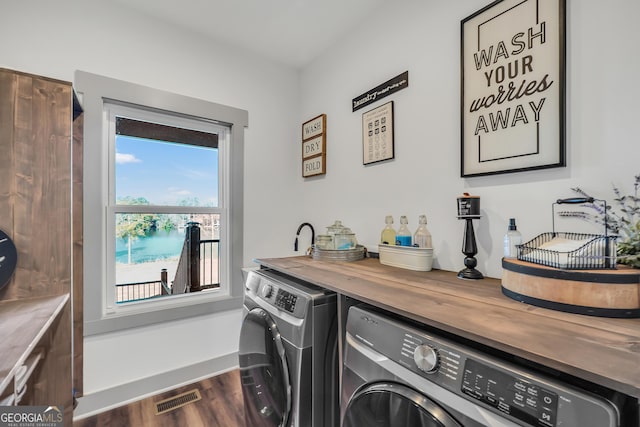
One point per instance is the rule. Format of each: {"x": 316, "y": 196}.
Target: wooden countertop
{"x": 23, "y": 322}
{"x": 601, "y": 350}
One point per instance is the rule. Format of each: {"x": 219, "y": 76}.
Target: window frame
{"x": 112, "y": 110}
{"x": 94, "y": 91}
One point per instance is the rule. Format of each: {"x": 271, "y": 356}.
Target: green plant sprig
{"x": 623, "y": 219}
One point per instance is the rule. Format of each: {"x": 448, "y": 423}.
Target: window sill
{"x": 126, "y": 320}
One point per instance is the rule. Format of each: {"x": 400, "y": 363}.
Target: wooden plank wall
{"x": 7, "y": 89}
{"x": 35, "y": 182}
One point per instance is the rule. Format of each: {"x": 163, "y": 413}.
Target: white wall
{"x": 135, "y": 354}
{"x": 56, "y": 38}
{"x": 423, "y": 36}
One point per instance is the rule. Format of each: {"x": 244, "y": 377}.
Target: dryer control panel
{"x": 514, "y": 396}
{"x": 279, "y": 294}
{"x": 282, "y": 297}
{"x": 286, "y": 300}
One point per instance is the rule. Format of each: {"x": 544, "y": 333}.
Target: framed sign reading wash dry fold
{"x": 314, "y": 146}
{"x": 513, "y": 87}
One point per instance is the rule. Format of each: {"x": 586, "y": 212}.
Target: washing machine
{"x": 288, "y": 354}
{"x": 397, "y": 374}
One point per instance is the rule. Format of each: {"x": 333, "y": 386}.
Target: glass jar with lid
{"x": 344, "y": 240}
{"x": 324, "y": 241}
{"x": 335, "y": 228}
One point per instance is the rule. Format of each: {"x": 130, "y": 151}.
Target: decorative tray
{"x": 358, "y": 253}
{"x": 604, "y": 292}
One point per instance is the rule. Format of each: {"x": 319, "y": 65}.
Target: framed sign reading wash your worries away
{"x": 513, "y": 87}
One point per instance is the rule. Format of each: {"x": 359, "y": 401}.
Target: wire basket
{"x": 592, "y": 251}
{"x": 572, "y": 251}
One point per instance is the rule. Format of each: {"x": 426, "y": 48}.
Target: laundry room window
{"x": 166, "y": 207}
{"x": 162, "y": 205}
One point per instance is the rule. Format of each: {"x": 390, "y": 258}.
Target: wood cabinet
{"x": 36, "y": 115}
{"x": 34, "y": 337}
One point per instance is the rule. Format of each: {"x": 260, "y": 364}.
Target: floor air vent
{"x": 178, "y": 401}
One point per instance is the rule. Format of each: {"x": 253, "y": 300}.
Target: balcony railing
{"x": 209, "y": 264}
{"x": 198, "y": 269}
{"x": 128, "y": 292}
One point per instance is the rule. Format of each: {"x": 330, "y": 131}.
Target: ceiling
{"x": 292, "y": 32}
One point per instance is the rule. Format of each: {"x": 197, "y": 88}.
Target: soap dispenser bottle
{"x": 511, "y": 239}
{"x": 422, "y": 237}
{"x": 403, "y": 236}
{"x": 388, "y": 235}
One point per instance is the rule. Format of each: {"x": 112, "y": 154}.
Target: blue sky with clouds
{"x": 166, "y": 173}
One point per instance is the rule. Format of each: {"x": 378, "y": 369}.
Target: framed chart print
{"x": 377, "y": 134}
{"x": 513, "y": 87}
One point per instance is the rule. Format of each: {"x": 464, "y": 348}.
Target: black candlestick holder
{"x": 470, "y": 249}
{"x": 469, "y": 209}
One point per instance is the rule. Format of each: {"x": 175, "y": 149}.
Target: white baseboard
{"x": 124, "y": 394}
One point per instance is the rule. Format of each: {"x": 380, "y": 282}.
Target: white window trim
{"x": 94, "y": 91}
{"x": 113, "y": 110}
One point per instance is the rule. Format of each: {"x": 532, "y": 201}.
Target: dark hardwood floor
{"x": 221, "y": 406}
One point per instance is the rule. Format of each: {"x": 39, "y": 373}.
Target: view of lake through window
{"x": 162, "y": 190}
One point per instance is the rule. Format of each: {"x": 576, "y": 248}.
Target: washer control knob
{"x": 267, "y": 291}
{"x": 426, "y": 358}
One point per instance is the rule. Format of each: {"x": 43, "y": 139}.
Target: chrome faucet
{"x": 313, "y": 235}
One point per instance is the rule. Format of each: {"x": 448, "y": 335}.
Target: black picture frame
{"x": 513, "y": 75}
{"x": 377, "y": 134}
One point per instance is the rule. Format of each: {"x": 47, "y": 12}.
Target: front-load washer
{"x": 288, "y": 352}
{"x": 396, "y": 374}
